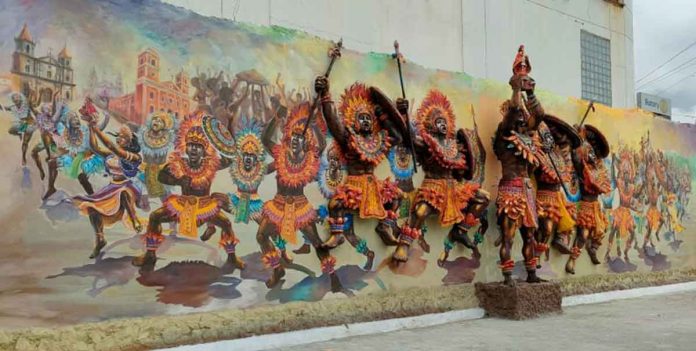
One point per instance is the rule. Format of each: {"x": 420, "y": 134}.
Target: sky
{"x": 662, "y": 29}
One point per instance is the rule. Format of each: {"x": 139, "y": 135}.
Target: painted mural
{"x": 161, "y": 162}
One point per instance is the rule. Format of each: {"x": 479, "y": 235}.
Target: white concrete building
{"x": 581, "y": 48}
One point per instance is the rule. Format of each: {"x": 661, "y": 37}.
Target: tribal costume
{"x": 553, "y": 175}
{"x": 158, "y": 141}
{"x": 365, "y": 132}
{"x": 118, "y": 200}
{"x": 296, "y": 162}
{"x": 192, "y": 166}
{"x": 517, "y": 145}
{"x": 595, "y": 181}
{"x": 107, "y": 202}
{"x": 23, "y": 124}
{"x": 445, "y": 156}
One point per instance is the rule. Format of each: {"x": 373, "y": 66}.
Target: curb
{"x": 313, "y": 335}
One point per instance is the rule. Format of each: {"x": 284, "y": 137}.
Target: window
{"x": 152, "y": 95}
{"x": 49, "y": 75}
{"x": 28, "y": 49}
{"x": 152, "y": 109}
{"x": 596, "y": 68}
{"x": 27, "y": 68}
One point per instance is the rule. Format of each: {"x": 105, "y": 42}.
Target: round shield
{"x": 597, "y": 140}
{"x": 467, "y": 149}
{"x": 561, "y": 126}
{"x": 219, "y": 136}
{"x": 388, "y": 107}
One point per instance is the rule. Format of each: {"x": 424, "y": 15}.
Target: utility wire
{"x": 668, "y": 61}
{"x": 667, "y": 74}
{"x": 676, "y": 83}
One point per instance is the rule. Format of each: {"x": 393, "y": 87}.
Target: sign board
{"x": 655, "y": 104}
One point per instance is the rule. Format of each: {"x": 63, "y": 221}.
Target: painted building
{"x": 45, "y": 75}
{"x": 584, "y": 46}
{"x": 151, "y": 94}
{"x": 104, "y": 86}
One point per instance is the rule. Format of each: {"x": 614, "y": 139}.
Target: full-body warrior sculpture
{"x": 558, "y": 139}
{"x": 333, "y": 171}
{"x": 192, "y": 166}
{"x": 517, "y": 146}
{"x": 444, "y": 153}
{"x": 296, "y": 159}
{"x": 402, "y": 167}
{"x": 365, "y": 132}
{"x": 594, "y": 181}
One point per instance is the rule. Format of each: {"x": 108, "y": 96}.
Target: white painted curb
{"x": 627, "y": 294}
{"x": 308, "y": 336}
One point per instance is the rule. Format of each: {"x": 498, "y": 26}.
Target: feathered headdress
{"x": 354, "y": 101}
{"x": 248, "y": 137}
{"x": 296, "y": 122}
{"x": 191, "y": 132}
{"x": 434, "y": 102}
{"x": 158, "y": 146}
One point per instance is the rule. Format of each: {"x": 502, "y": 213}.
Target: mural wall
{"x": 96, "y": 76}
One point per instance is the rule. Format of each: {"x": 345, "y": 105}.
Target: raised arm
{"x": 338, "y": 130}
{"x": 114, "y": 148}
{"x": 269, "y": 132}
{"x": 94, "y": 143}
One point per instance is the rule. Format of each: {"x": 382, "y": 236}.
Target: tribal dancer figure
{"x": 401, "y": 164}
{"x": 624, "y": 225}
{"x": 333, "y": 171}
{"x": 192, "y": 166}
{"x": 74, "y": 154}
{"x": 46, "y": 121}
{"x": 589, "y": 164}
{"x": 24, "y": 122}
{"x": 555, "y": 169}
{"x": 157, "y": 136}
{"x": 365, "y": 132}
{"x": 296, "y": 161}
{"x": 116, "y": 201}
{"x": 517, "y": 146}
{"x": 444, "y": 153}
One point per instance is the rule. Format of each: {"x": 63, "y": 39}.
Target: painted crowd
{"x": 557, "y": 189}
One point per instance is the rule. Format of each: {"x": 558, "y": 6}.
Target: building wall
{"x": 478, "y": 37}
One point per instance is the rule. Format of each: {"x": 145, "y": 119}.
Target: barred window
{"x": 595, "y": 58}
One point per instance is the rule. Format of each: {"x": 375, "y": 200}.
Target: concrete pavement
{"x": 663, "y": 322}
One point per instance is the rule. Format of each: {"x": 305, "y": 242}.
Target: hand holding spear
{"x": 334, "y": 53}
{"x": 398, "y": 57}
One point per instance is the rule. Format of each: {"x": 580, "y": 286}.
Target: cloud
{"x": 661, "y": 30}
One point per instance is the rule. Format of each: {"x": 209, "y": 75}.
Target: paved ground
{"x": 665, "y": 322}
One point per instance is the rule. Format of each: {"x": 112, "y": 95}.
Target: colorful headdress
{"x": 191, "y": 131}
{"x": 248, "y": 137}
{"x": 126, "y": 132}
{"x": 167, "y": 118}
{"x": 435, "y": 101}
{"x": 158, "y": 145}
{"x": 296, "y": 122}
{"x": 354, "y": 101}
{"x": 520, "y": 58}
{"x": 288, "y": 172}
